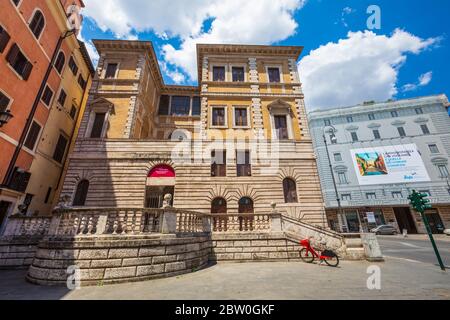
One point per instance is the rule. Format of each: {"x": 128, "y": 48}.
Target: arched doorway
{"x": 219, "y": 209}
{"x": 160, "y": 181}
{"x": 79, "y": 199}
{"x": 246, "y": 208}
{"x": 290, "y": 191}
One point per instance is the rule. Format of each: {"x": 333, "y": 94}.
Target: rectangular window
{"x": 354, "y": 136}
{"x": 218, "y": 73}
{"x": 82, "y": 82}
{"x": 73, "y": 66}
{"x": 433, "y": 148}
{"x": 62, "y": 98}
{"x": 350, "y": 119}
{"x": 19, "y": 62}
{"x": 73, "y": 112}
{"x": 281, "y": 127}
{"x": 346, "y": 197}
{"x": 371, "y": 116}
{"x": 376, "y": 134}
{"x": 218, "y": 163}
{"x": 47, "y": 196}
{"x": 218, "y": 116}
{"x": 342, "y": 178}
{"x": 401, "y": 131}
{"x": 327, "y": 122}
{"x": 419, "y": 111}
{"x": 33, "y": 134}
{"x": 164, "y": 105}
{"x": 60, "y": 149}
{"x": 180, "y": 105}
{"x": 243, "y": 165}
{"x": 97, "y": 127}
{"x": 274, "y": 74}
{"x": 337, "y": 157}
{"x": 443, "y": 170}
{"x": 4, "y": 39}
{"x": 4, "y": 102}
{"x": 196, "y": 106}
{"x": 425, "y": 129}
{"x": 47, "y": 96}
{"x": 240, "y": 117}
{"x": 394, "y": 114}
{"x": 238, "y": 74}
{"x": 371, "y": 196}
{"x": 111, "y": 71}
{"x": 397, "y": 195}
{"x": 19, "y": 180}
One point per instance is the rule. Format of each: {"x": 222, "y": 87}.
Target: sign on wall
{"x": 389, "y": 164}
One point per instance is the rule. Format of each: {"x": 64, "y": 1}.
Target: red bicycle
{"x": 308, "y": 254}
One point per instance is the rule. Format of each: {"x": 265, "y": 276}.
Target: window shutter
{"x": 27, "y": 70}
{"x": 12, "y": 54}
{"x": 33, "y": 134}
{"x": 60, "y": 149}
{"x": 4, "y": 39}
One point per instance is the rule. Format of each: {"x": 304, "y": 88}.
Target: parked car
{"x": 385, "y": 229}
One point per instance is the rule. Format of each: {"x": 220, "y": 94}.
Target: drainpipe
{"x": 12, "y": 163}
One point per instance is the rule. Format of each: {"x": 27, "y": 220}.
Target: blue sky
{"x": 343, "y": 63}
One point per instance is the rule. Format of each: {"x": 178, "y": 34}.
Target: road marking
{"x": 410, "y": 245}
{"x": 405, "y": 259}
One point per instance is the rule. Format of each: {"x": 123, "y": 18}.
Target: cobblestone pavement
{"x": 400, "y": 279}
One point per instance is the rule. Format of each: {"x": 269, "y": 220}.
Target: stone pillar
{"x": 101, "y": 224}
{"x": 12, "y": 227}
{"x": 275, "y": 222}
{"x": 169, "y": 221}
{"x": 371, "y": 247}
{"x": 54, "y": 225}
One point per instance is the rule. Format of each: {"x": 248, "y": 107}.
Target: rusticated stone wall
{"x": 108, "y": 260}
{"x": 17, "y": 253}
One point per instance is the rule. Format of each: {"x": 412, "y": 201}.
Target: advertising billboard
{"x": 389, "y": 164}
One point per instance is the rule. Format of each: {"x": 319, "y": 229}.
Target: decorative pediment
{"x": 373, "y": 125}
{"x": 279, "y": 105}
{"x": 340, "y": 168}
{"x": 398, "y": 123}
{"x": 102, "y": 104}
{"x": 351, "y": 128}
{"x": 421, "y": 120}
{"x": 439, "y": 160}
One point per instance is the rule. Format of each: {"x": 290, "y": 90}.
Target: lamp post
{"x": 338, "y": 199}
{"x": 5, "y": 116}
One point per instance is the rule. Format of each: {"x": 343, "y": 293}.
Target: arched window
{"x": 290, "y": 191}
{"x": 37, "y": 24}
{"x": 81, "y": 193}
{"x": 246, "y": 205}
{"x": 60, "y": 61}
{"x": 219, "y": 205}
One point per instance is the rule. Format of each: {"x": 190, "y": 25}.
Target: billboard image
{"x": 389, "y": 164}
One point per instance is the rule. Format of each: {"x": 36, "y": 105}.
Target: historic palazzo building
{"x": 236, "y": 143}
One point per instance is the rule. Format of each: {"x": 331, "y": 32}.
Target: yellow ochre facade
{"x": 236, "y": 143}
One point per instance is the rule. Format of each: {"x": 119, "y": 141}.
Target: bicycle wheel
{"x": 306, "y": 255}
{"x": 332, "y": 260}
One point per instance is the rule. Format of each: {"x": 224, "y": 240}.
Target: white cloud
{"x": 93, "y": 54}
{"x": 232, "y": 21}
{"x": 423, "y": 80}
{"x": 362, "y": 67}
{"x": 175, "y": 75}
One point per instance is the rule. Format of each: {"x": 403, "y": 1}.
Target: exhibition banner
{"x": 389, "y": 164}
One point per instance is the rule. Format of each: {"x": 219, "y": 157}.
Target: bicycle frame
{"x": 306, "y": 244}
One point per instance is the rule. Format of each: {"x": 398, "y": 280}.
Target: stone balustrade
{"x": 21, "y": 226}
{"x": 232, "y": 223}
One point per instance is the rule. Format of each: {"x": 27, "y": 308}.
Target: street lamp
{"x": 5, "y": 116}
{"x": 333, "y": 140}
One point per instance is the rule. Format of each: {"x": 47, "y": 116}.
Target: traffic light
{"x": 419, "y": 201}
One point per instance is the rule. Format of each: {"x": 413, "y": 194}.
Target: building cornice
{"x": 377, "y": 107}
